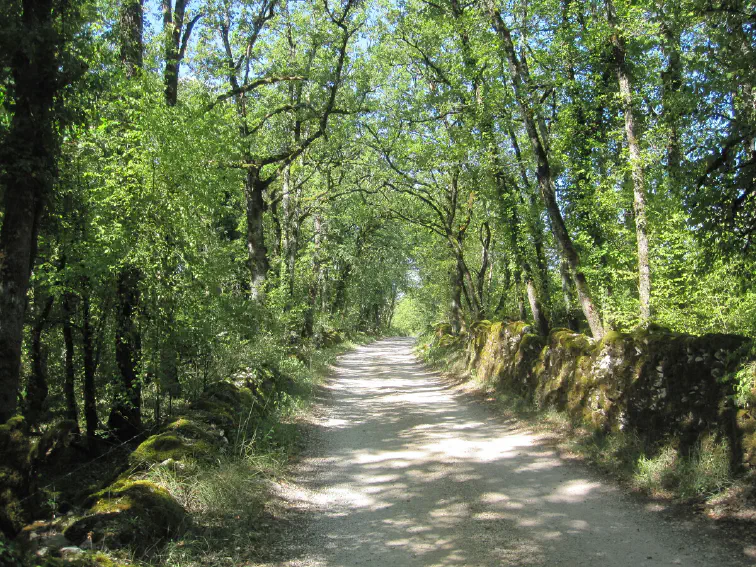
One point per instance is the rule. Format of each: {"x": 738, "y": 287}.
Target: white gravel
{"x": 404, "y": 471}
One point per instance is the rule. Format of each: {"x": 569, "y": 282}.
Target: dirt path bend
{"x": 403, "y": 471}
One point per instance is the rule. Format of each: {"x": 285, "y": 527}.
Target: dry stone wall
{"x": 660, "y": 385}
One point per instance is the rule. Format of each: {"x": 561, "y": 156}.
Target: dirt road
{"x": 403, "y": 471}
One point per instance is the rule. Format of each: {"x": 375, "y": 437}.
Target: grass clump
{"x": 704, "y": 472}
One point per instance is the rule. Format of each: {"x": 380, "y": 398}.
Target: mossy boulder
{"x": 522, "y": 368}
{"x": 749, "y": 449}
{"x": 746, "y": 425}
{"x": 327, "y": 339}
{"x": 15, "y": 467}
{"x": 676, "y": 385}
{"x": 171, "y": 446}
{"x": 502, "y": 361}
{"x": 214, "y": 413}
{"x": 135, "y": 514}
{"x": 477, "y": 339}
{"x": 223, "y": 404}
{"x": 230, "y": 394}
{"x": 193, "y": 429}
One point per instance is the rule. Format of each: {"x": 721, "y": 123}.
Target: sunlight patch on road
{"x": 573, "y": 491}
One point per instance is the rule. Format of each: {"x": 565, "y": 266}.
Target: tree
{"x": 126, "y": 413}
{"x": 241, "y": 43}
{"x": 37, "y": 36}
{"x": 636, "y": 161}
{"x": 177, "y": 31}
{"x": 524, "y": 89}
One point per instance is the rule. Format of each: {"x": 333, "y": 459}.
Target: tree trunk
{"x": 69, "y": 385}
{"x": 36, "y": 388}
{"x": 522, "y": 87}
{"x": 533, "y": 224}
{"x": 339, "y": 296}
{"x": 288, "y": 233}
{"x": 126, "y": 416}
{"x": 522, "y": 315}
{"x": 173, "y": 21}
{"x": 259, "y": 266}
{"x": 564, "y": 272}
{"x": 539, "y": 317}
{"x": 457, "y": 282}
{"x": 315, "y": 288}
{"x": 90, "y": 400}
{"x": 636, "y": 164}
{"x": 175, "y": 45}
{"x": 132, "y": 26}
{"x": 671, "y": 85}
{"x": 485, "y": 261}
{"x": 29, "y": 157}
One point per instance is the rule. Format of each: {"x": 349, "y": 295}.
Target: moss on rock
{"x": 135, "y": 514}
{"x": 193, "y": 429}
{"x": 230, "y": 394}
{"x": 213, "y": 412}
{"x": 163, "y": 446}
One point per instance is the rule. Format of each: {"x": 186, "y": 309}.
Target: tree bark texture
{"x": 457, "y": 283}
{"x": 177, "y": 32}
{"x": 132, "y": 27}
{"x": 542, "y": 324}
{"x": 671, "y": 85}
{"x": 567, "y": 284}
{"x": 37, "y": 388}
{"x": 90, "y": 368}
{"x": 126, "y": 416}
{"x": 254, "y": 188}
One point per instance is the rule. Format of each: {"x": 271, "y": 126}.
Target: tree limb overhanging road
{"x": 402, "y": 471}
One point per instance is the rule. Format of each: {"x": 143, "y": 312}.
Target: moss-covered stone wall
{"x": 660, "y": 385}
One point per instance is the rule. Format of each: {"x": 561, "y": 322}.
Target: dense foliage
{"x": 210, "y": 185}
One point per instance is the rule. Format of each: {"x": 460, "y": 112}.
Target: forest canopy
{"x": 191, "y": 184}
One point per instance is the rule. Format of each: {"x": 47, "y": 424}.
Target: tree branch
{"x": 253, "y": 85}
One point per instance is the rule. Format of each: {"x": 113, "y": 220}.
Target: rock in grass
{"x": 135, "y": 514}
{"x": 70, "y": 552}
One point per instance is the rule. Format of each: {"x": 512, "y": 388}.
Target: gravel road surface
{"x": 402, "y": 470}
